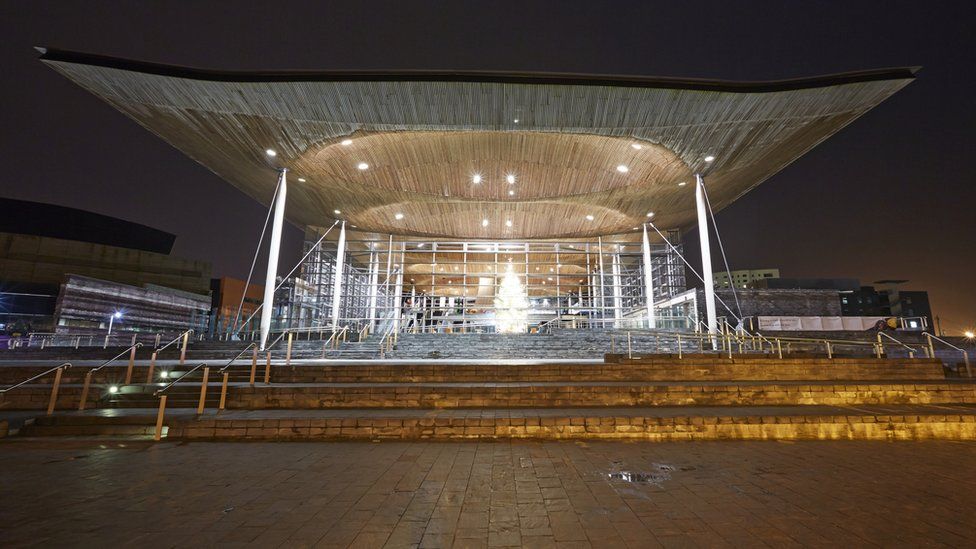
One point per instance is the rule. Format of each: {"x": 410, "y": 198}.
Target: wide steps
{"x": 591, "y": 394}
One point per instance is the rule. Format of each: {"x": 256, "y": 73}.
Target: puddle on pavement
{"x": 657, "y": 475}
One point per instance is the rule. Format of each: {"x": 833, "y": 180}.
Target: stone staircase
{"x": 658, "y": 397}
{"x": 560, "y": 344}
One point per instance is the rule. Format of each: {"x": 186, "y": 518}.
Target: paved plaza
{"x": 75, "y": 492}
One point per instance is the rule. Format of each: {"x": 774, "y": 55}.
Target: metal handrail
{"x": 114, "y": 358}
{"x": 177, "y": 380}
{"x": 179, "y": 337}
{"x": 38, "y": 376}
{"x": 965, "y": 353}
{"x": 937, "y": 338}
{"x": 911, "y": 350}
{"x": 386, "y": 337}
{"x": 239, "y": 355}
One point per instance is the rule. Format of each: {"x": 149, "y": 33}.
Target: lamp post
{"x": 111, "y": 320}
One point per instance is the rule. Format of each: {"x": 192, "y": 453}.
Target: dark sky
{"x": 891, "y": 196}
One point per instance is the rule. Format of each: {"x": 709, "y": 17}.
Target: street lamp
{"x": 969, "y": 334}
{"x": 111, "y": 320}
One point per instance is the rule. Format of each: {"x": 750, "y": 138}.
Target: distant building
{"x": 227, "y": 295}
{"x": 741, "y": 279}
{"x": 42, "y": 244}
{"x": 885, "y": 298}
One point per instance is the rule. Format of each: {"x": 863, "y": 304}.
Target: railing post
{"x": 629, "y": 354}
{"x": 679, "y": 346}
{"x": 152, "y": 367}
{"x": 159, "y": 419}
{"x": 613, "y": 344}
{"x": 186, "y": 341}
{"x": 830, "y": 354}
{"x": 203, "y": 390}
{"x": 267, "y": 369}
{"x": 77, "y": 341}
{"x": 84, "y": 391}
{"x": 54, "y": 390}
{"x": 879, "y": 348}
{"x": 156, "y": 341}
{"x": 928, "y": 336}
{"x": 779, "y": 349}
{"x": 254, "y": 365}
{"x": 965, "y": 358}
{"x": 223, "y": 391}
{"x": 132, "y": 363}
{"x": 288, "y": 352}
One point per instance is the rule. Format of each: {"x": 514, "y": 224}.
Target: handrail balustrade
{"x": 52, "y": 401}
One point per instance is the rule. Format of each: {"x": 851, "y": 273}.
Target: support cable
{"x": 675, "y": 250}
{"x": 295, "y": 268}
{"x": 254, "y": 260}
{"x": 725, "y": 259}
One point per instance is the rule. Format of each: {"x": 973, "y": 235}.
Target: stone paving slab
{"x": 492, "y": 494}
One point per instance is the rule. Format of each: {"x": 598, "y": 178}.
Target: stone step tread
{"x": 142, "y": 415}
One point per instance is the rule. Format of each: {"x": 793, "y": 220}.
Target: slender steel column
{"x": 398, "y": 298}
{"x": 603, "y": 288}
{"x": 648, "y": 282}
{"x": 712, "y": 321}
{"x": 618, "y": 300}
{"x": 274, "y": 247}
{"x": 339, "y": 269}
{"x": 374, "y": 277}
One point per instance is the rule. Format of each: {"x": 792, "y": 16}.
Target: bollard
{"x": 267, "y": 369}
{"x": 288, "y": 352}
{"x": 186, "y": 340}
{"x": 152, "y": 367}
{"x": 132, "y": 363}
{"x": 84, "y": 391}
{"x": 223, "y": 391}
{"x": 254, "y": 366}
{"x": 159, "y": 418}
{"x": 54, "y": 391}
{"x": 203, "y": 390}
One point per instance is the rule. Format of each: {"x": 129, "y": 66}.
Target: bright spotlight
{"x": 271, "y": 152}
{"x": 623, "y": 169}
{"x": 113, "y": 389}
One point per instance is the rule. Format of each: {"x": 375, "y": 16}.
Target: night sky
{"x": 891, "y": 196}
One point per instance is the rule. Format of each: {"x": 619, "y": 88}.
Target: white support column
{"x": 618, "y": 300}
{"x": 649, "y": 282}
{"x": 706, "y": 252}
{"x": 339, "y": 270}
{"x": 374, "y": 278}
{"x": 274, "y": 247}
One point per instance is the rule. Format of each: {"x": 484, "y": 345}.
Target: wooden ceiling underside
{"x": 425, "y": 139}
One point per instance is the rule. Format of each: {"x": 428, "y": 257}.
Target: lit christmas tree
{"x": 511, "y": 305}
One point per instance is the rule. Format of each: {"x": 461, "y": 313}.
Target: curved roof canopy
{"x": 461, "y": 154}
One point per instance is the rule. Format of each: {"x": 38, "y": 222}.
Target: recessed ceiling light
{"x": 476, "y": 178}
{"x": 398, "y": 216}
{"x": 589, "y": 218}
{"x": 682, "y": 184}
{"x": 623, "y": 169}
{"x": 301, "y": 179}
{"x": 650, "y": 214}
{"x": 484, "y": 222}
{"x": 337, "y": 212}
{"x": 421, "y": 245}
{"x": 709, "y": 158}
{"x": 516, "y": 120}
{"x": 508, "y": 222}
{"x": 511, "y": 193}
{"x": 636, "y": 146}
{"x": 510, "y": 178}
{"x": 346, "y": 142}
{"x": 363, "y": 166}
{"x": 270, "y": 152}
